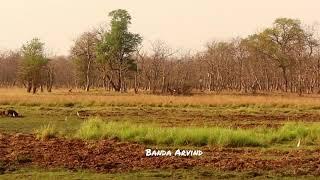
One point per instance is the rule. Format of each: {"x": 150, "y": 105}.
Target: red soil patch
{"x": 114, "y": 156}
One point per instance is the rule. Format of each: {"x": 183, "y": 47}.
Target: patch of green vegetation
{"x": 53, "y": 174}
{"x": 194, "y": 173}
{"x": 46, "y": 132}
{"x": 309, "y": 134}
{"x": 151, "y": 134}
{"x": 238, "y": 107}
{"x": 34, "y": 118}
{"x": 65, "y": 119}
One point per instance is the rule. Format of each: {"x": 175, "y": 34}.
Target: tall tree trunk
{"x": 285, "y": 77}
{"x": 114, "y": 86}
{"x": 135, "y": 83}
{"x": 104, "y": 78}
{"x": 163, "y": 89}
{"x": 50, "y": 80}
{"x": 34, "y": 87}
{"x": 87, "y": 88}
{"x": 29, "y": 86}
{"x": 118, "y": 88}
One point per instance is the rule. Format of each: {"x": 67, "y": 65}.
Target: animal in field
{"x": 12, "y": 113}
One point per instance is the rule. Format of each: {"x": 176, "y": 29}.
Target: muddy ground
{"x": 113, "y": 156}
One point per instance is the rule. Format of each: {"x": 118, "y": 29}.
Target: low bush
{"x": 46, "y": 132}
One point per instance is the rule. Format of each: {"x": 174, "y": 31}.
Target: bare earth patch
{"x": 114, "y": 156}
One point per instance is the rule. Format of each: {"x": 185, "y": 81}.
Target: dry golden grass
{"x": 100, "y": 98}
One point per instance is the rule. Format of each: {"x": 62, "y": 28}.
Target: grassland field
{"x": 267, "y": 126}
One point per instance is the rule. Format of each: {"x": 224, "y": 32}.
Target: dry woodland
{"x": 250, "y": 105}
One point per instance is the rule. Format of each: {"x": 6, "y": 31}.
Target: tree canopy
{"x": 33, "y": 64}
{"x": 117, "y": 46}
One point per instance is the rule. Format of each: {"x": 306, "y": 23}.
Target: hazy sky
{"x": 185, "y": 24}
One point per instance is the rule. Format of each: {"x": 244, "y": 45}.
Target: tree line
{"x": 284, "y": 57}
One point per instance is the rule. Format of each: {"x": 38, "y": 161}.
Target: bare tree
{"x": 84, "y": 54}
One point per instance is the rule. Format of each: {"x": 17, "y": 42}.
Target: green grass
{"x": 195, "y": 173}
{"x": 198, "y": 136}
{"x": 53, "y": 174}
{"x": 65, "y": 118}
{"x": 46, "y": 132}
{"x": 34, "y": 118}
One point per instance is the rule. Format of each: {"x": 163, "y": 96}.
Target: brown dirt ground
{"x": 114, "y": 156}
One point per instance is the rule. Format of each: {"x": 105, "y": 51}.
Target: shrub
{"x": 46, "y": 132}
{"x": 91, "y": 129}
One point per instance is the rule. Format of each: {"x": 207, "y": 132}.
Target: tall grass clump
{"x": 46, "y": 132}
{"x": 293, "y": 131}
{"x": 236, "y": 138}
{"x": 92, "y": 129}
{"x": 197, "y": 136}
